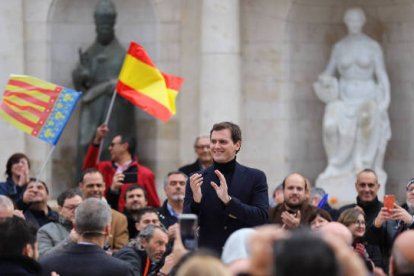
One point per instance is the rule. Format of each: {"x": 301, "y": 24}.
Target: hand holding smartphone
{"x": 389, "y": 201}
{"x": 188, "y": 229}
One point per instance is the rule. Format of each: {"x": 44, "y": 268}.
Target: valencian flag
{"x": 36, "y": 107}
{"x": 141, "y": 83}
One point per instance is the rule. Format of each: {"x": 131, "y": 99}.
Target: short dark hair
{"x": 71, "y": 193}
{"x": 319, "y": 212}
{"x": 34, "y": 179}
{"x": 235, "y": 130}
{"x": 14, "y": 159}
{"x": 368, "y": 170}
{"x": 15, "y": 234}
{"x": 130, "y": 140}
{"x": 134, "y": 187}
{"x": 89, "y": 171}
{"x": 315, "y": 256}
{"x": 142, "y": 211}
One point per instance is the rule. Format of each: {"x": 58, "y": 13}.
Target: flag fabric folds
{"x": 141, "y": 83}
{"x": 39, "y": 108}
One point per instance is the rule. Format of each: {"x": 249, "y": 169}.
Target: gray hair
{"x": 147, "y": 233}
{"x": 171, "y": 173}
{"x": 6, "y": 203}
{"x": 91, "y": 216}
{"x": 200, "y": 137}
{"x": 316, "y": 191}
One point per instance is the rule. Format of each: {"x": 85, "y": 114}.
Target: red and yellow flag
{"x": 141, "y": 83}
{"x": 37, "y": 107}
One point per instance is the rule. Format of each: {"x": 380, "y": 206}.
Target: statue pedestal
{"x": 342, "y": 188}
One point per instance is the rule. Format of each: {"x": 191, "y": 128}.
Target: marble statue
{"x": 96, "y": 76}
{"x": 356, "y": 91}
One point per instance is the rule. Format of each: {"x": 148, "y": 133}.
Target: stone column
{"x": 36, "y": 63}
{"x": 220, "y": 63}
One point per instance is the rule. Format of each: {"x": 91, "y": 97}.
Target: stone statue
{"x": 356, "y": 90}
{"x": 96, "y": 76}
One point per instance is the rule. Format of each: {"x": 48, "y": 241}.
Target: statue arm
{"x": 331, "y": 66}
{"x": 383, "y": 81}
{"x": 326, "y": 87}
{"x": 99, "y": 89}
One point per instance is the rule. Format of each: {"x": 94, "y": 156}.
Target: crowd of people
{"x": 113, "y": 222}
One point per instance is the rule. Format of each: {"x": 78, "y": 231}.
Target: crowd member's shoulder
{"x": 346, "y": 207}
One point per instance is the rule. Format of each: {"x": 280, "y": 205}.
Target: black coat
{"x": 191, "y": 168}
{"x": 137, "y": 260}
{"x": 19, "y": 265}
{"x": 165, "y": 217}
{"x": 84, "y": 259}
{"x": 247, "y": 208}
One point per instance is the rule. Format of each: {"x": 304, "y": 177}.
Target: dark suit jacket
{"x": 247, "y": 208}
{"x": 191, "y": 168}
{"x": 84, "y": 259}
{"x": 165, "y": 217}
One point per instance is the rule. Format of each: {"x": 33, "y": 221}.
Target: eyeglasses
{"x": 203, "y": 147}
{"x": 360, "y": 222}
{"x": 114, "y": 143}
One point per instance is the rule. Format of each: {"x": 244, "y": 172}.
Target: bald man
{"x": 402, "y": 258}
{"x": 338, "y": 230}
{"x": 295, "y": 209}
{"x": 6, "y": 207}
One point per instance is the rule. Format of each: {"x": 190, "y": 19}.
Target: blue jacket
{"x": 13, "y": 191}
{"x": 248, "y": 206}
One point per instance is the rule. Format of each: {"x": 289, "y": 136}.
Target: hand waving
{"x": 221, "y": 190}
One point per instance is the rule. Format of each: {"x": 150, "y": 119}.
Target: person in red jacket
{"x": 122, "y": 170}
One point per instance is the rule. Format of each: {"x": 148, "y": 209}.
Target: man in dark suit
{"x": 174, "y": 188}
{"x": 226, "y": 196}
{"x": 86, "y": 257}
{"x": 204, "y": 160}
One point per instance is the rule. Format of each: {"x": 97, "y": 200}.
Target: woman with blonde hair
{"x": 354, "y": 220}
{"x": 203, "y": 265}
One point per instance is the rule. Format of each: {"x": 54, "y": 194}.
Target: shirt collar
{"x": 172, "y": 211}
{"x": 120, "y": 169}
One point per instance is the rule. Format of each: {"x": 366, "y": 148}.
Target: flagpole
{"x": 108, "y": 115}
{"x": 49, "y": 155}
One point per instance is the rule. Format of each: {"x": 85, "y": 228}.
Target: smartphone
{"x": 188, "y": 228}
{"x": 389, "y": 201}
{"x": 130, "y": 177}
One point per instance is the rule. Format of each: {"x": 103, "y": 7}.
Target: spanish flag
{"x": 141, "y": 83}
{"x": 39, "y": 108}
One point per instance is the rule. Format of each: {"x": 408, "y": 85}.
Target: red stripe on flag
{"x": 144, "y": 102}
{"x": 17, "y": 116}
{"x": 172, "y": 82}
{"x": 26, "y": 97}
{"x": 30, "y": 109}
{"x": 28, "y": 86}
{"x": 138, "y": 52}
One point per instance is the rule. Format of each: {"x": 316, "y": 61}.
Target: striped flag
{"x": 36, "y": 107}
{"x": 141, "y": 83}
